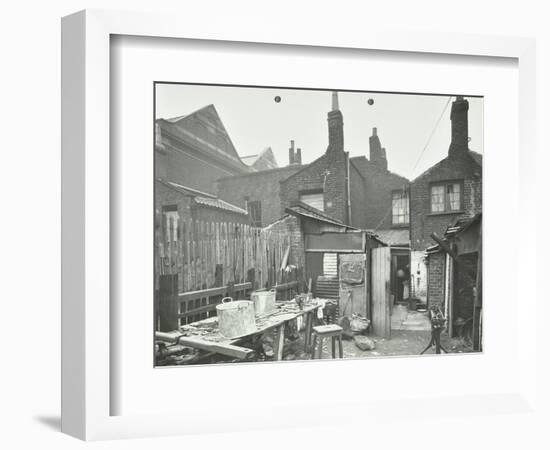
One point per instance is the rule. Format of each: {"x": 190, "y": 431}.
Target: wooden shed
{"x": 349, "y": 265}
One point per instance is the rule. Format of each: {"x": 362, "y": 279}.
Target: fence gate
{"x": 381, "y": 301}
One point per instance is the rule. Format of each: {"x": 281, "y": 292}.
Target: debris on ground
{"x": 364, "y": 343}
{"x": 353, "y": 325}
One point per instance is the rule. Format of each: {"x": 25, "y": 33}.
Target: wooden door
{"x": 381, "y": 301}
{"x": 353, "y": 284}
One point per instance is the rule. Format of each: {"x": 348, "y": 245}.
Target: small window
{"x": 400, "y": 207}
{"x": 316, "y": 200}
{"x": 446, "y": 197}
{"x": 255, "y": 212}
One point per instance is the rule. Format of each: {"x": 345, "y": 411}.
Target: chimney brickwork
{"x": 335, "y": 127}
{"x": 459, "y": 127}
{"x": 377, "y": 154}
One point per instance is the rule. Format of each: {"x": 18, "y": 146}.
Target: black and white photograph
{"x": 295, "y": 224}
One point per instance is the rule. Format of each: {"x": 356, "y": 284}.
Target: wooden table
{"x": 213, "y": 341}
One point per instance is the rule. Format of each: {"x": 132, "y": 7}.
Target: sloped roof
{"x": 394, "y": 237}
{"x": 203, "y": 198}
{"x": 368, "y": 168}
{"x": 220, "y": 147}
{"x": 302, "y": 209}
{"x": 461, "y": 225}
{"x": 476, "y": 157}
{"x": 218, "y": 203}
{"x": 264, "y": 160}
{"x": 452, "y": 231}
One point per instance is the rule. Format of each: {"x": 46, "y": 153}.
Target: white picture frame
{"x": 86, "y": 284}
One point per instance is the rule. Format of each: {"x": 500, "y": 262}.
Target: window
{"x": 446, "y": 197}
{"x": 255, "y": 212}
{"x": 316, "y": 200}
{"x": 400, "y": 207}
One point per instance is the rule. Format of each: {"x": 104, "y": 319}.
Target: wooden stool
{"x": 325, "y": 331}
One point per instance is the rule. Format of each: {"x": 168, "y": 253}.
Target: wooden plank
{"x": 168, "y": 302}
{"x": 279, "y": 342}
{"x": 381, "y": 314}
{"x": 184, "y": 296}
{"x": 217, "y": 347}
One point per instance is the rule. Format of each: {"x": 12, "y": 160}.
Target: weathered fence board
{"x": 194, "y": 249}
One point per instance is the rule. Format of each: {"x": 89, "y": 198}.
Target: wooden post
{"x": 168, "y": 304}
{"x": 218, "y": 276}
{"x": 279, "y": 342}
{"x": 478, "y": 298}
{"x": 250, "y": 277}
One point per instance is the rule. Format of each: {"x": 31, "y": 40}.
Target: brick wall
{"x": 379, "y": 185}
{"x": 423, "y": 222}
{"x": 166, "y": 196}
{"x": 259, "y": 186}
{"x": 465, "y": 280}
{"x": 436, "y": 279}
{"x": 177, "y": 165}
{"x": 358, "y": 192}
{"x": 312, "y": 177}
{"x": 291, "y": 226}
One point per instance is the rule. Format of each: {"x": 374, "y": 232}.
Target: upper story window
{"x": 400, "y": 207}
{"x": 316, "y": 200}
{"x": 446, "y": 197}
{"x": 255, "y": 212}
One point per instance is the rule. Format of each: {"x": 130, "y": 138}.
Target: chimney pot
{"x": 298, "y": 157}
{"x": 374, "y": 131}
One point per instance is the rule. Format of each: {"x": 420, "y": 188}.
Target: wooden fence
{"x": 209, "y": 254}
{"x": 198, "y": 263}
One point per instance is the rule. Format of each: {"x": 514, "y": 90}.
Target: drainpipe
{"x": 349, "y": 190}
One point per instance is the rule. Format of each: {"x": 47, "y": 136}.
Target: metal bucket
{"x": 264, "y": 301}
{"x": 236, "y": 318}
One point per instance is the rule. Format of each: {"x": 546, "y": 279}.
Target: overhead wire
{"x": 419, "y": 156}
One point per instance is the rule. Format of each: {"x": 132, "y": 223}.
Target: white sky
{"x": 255, "y": 121}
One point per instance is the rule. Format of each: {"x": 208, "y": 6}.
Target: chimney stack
{"x": 335, "y": 127}
{"x": 298, "y": 156}
{"x": 459, "y": 127}
{"x": 377, "y": 154}
{"x": 291, "y": 153}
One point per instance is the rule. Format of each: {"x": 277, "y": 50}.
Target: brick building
{"x": 331, "y": 183}
{"x": 259, "y": 192}
{"x": 195, "y": 150}
{"x": 448, "y": 191}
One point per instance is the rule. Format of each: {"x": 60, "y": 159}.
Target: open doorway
{"x": 400, "y": 277}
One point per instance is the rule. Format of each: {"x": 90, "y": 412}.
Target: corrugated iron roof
{"x": 303, "y": 209}
{"x": 219, "y": 204}
{"x": 452, "y": 230}
{"x": 204, "y": 198}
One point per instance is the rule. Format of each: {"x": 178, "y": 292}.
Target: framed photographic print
{"x": 256, "y": 216}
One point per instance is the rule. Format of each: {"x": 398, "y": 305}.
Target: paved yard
{"x": 411, "y": 333}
